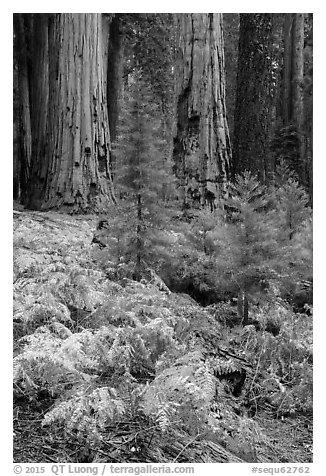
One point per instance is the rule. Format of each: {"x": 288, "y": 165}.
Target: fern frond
{"x": 87, "y": 412}
{"x": 206, "y": 381}
{"x": 165, "y": 413}
{"x": 224, "y": 366}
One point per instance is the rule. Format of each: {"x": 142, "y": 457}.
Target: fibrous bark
{"x": 202, "y": 148}
{"x": 298, "y": 97}
{"x": 287, "y": 69}
{"x": 293, "y": 93}
{"x": 114, "y": 80}
{"x": 24, "y": 149}
{"x": 70, "y": 127}
{"x": 293, "y": 69}
{"x": 253, "y": 116}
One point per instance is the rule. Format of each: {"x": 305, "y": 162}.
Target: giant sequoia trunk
{"x": 70, "y": 129}
{"x": 201, "y": 145}
{"x": 253, "y": 118}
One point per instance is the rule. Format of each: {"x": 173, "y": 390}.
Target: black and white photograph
{"x": 162, "y": 239}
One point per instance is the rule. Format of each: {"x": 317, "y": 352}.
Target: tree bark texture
{"x": 243, "y": 308}
{"x": 115, "y": 73}
{"x": 70, "y": 126}
{"x": 24, "y": 149}
{"x": 287, "y": 69}
{"x": 254, "y": 102}
{"x": 293, "y": 69}
{"x": 293, "y": 80}
{"x": 298, "y": 95}
{"x": 202, "y": 147}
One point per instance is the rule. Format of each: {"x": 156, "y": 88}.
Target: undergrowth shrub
{"x": 282, "y": 363}
{"x": 152, "y": 366}
{"x": 111, "y": 351}
{"x": 88, "y": 412}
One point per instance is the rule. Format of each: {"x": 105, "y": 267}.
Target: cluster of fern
{"x": 103, "y": 376}
{"x": 280, "y": 349}
{"x": 107, "y": 354}
{"x": 108, "y": 350}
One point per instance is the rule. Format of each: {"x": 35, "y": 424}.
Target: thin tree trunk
{"x": 114, "y": 80}
{"x": 24, "y": 117}
{"x": 139, "y": 184}
{"x": 70, "y": 127}
{"x": 298, "y": 98}
{"x": 139, "y": 239}
{"x": 202, "y": 148}
{"x": 39, "y": 101}
{"x": 243, "y": 307}
{"x": 293, "y": 93}
{"x": 287, "y": 69}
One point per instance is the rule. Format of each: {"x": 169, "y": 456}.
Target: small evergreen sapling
{"x": 290, "y": 205}
{"x": 246, "y": 249}
{"x": 290, "y": 202}
{"x": 142, "y": 174}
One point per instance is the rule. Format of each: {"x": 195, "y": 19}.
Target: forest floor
{"x": 48, "y": 246}
{"x": 290, "y": 440}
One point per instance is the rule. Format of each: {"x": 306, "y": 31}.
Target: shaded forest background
{"x": 163, "y": 200}
{"x": 255, "y": 78}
